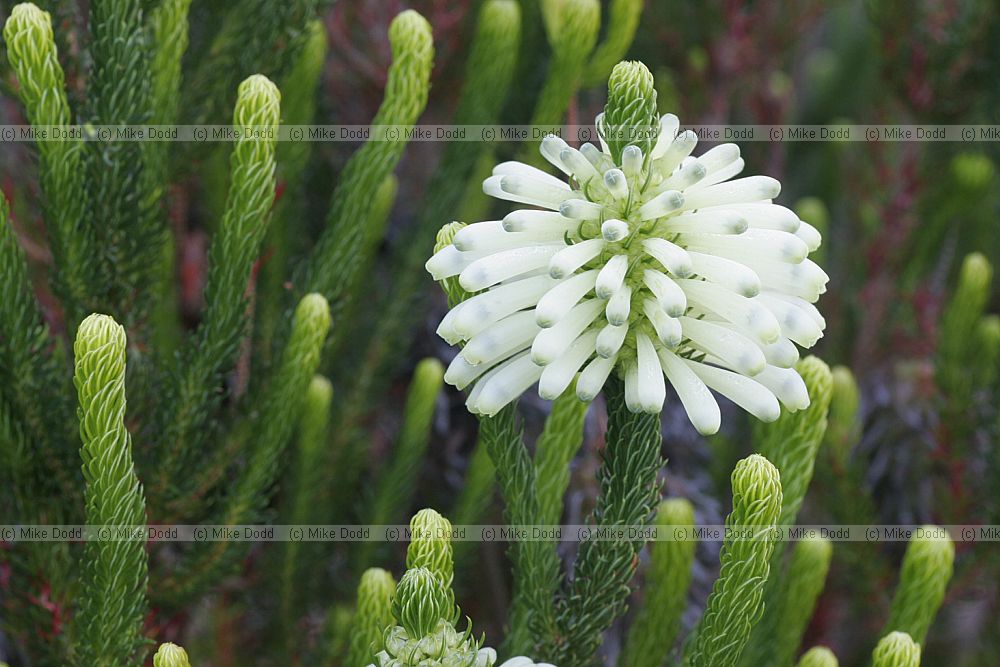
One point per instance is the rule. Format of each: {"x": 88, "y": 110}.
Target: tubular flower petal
{"x": 664, "y": 270}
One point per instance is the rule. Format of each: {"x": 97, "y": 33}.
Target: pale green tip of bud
{"x": 376, "y": 584}
{"x": 675, "y": 512}
{"x": 431, "y": 546}
{"x": 813, "y": 211}
{"x": 631, "y": 78}
{"x": 446, "y": 234}
{"x": 500, "y": 15}
{"x": 757, "y": 485}
{"x": 815, "y": 548}
{"x": 171, "y": 655}
{"x": 27, "y": 16}
{"x": 421, "y": 601}
{"x": 976, "y": 273}
{"x": 258, "y": 102}
{"x": 313, "y": 308}
{"x": 98, "y": 332}
{"x": 411, "y": 33}
{"x": 429, "y": 373}
{"x": 320, "y": 391}
{"x": 845, "y": 399}
{"x": 630, "y": 115}
{"x": 973, "y": 171}
{"x": 818, "y": 656}
{"x": 819, "y": 381}
{"x": 897, "y": 649}
{"x": 933, "y": 546}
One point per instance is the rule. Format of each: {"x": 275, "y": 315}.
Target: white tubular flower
{"x": 521, "y": 661}
{"x": 657, "y": 265}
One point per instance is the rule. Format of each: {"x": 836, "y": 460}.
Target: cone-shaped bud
{"x": 431, "y": 546}
{"x": 373, "y": 615}
{"x": 421, "y": 602}
{"x": 897, "y": 649}
{"x": 818, "y": 656}
{"x": 171, "y": 655}
{"x": 630, "y": 116}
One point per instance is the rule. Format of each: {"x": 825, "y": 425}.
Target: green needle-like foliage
{"x": 168, "y": 31}
{"x": 430, "y": 545}
{"x": 396, "y": 484}
{"x": 306, "y": 484}
{"x": 897, "y": 649}
{"x": 212, "y": 351}
{"x": 171, "y": 655}
{"x": 818, "y": 656}
{"x": 31, "y": 50}
{"x": 572, "y": 37}
{"x": 791, "y": 606}
{"x": 113, "y": 571}
{"x": 957, "y": 359}
{"x": 630, "y": 116}
{"x": 629, "y": 492}
{"x": 30, "y": 377}
{"x": 535, "y": 565}
{"x": 280, "y": 409}
{"x": 654, "y": 629}
{"x": 299, "y": 92}
{"x": 488, "y": 74}
{"x": 255, "y": 36}
{"x": 372, "y": 616}
{"x": 926, "y": 571}
{"x": 557, "y": 445}
{"x": 736, "y": 601}
{"x": 791, "y": 444}
{"x": 843, "y": 426}
{"x": 130, "y": 233}
{"x": 334, "y": 260}
{"x": 623, "y": 20}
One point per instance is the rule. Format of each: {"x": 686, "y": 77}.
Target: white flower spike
{"x": 649, "y": 262}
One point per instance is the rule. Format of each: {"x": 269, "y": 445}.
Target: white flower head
{"x": 655, "y": 264}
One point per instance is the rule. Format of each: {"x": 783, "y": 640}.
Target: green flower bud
{"x": 927, "y": 568}
{"x": 843, "y": 428}
{"x": 452, "y": 289}
{"x": 444, "y": 646}
{"x": 431, "y": 546}
{"x": 171, "y": 655}
{"x": 897, "y": 649}
{"x": 736, "y": 602}
{"x": 410, "y": 33}
{"x": 421, "y": 602}
{"x": 372, "y": 616}
{"x": 630, "y": 116}
{"x": 813, "y": 211}
{"x": 31, "y": 48}
{"x": 988, "y": 344}
{"x": 818, "y": 656}
{"x": 972, "y": 171}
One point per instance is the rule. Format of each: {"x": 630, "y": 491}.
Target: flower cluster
{"x": 653, "y": 263}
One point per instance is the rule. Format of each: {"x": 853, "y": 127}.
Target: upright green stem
{"x": 113, "y": 571}
{"x": 629, "y": 491}
{"x": 31, "y": 49}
